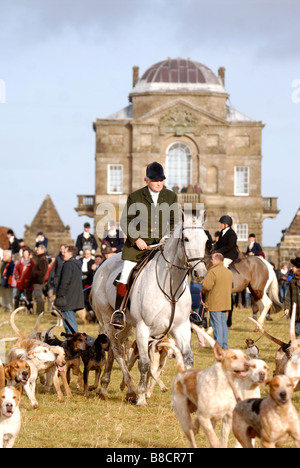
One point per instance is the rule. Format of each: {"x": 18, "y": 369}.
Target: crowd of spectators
{"x": 32, "y": 277}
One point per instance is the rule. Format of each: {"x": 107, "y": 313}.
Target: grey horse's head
{"x": 194, "y": 241}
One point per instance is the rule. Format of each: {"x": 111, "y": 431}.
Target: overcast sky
{"x": 65, "y": 63}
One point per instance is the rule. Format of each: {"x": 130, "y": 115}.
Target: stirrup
{"x": 117, "y": 325}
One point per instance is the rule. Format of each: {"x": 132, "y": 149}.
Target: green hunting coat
{"x": 142, "y": 219}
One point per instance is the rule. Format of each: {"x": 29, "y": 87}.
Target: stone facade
{"x": 179, "y": 116}
{"x": 48, "y": 221}
{"x": 289, "y": 245}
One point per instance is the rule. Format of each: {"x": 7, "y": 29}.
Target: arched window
{"x": 179, "y": 166}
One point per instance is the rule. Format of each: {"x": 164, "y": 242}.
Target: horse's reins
{"x": 187, "y": 268}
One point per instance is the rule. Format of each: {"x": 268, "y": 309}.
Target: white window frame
{"x": 109, "y": 179}
{"x": 242, "y": 232}
{"x": 189, "y": 153}
{"x": 246, "y": 183}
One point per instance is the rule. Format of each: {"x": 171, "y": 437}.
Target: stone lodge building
{"x": 48, "y": 221}
{"x": 178, "y": 114}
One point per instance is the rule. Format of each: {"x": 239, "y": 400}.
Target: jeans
{"x": 70, "y": 316}
{"x": 283, "y": 289}
{"x": 218, "y": 321}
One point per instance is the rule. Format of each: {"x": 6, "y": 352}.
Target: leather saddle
{"x": 137, "y": 270}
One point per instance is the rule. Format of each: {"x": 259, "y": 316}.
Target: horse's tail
{"x": 12, "y": 322}
{"x": 205, "y": 335}
{"x": 273, "y": 290}
{"x": 180, "y": 364}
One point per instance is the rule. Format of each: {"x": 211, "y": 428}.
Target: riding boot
{"x": 118, "y": 315}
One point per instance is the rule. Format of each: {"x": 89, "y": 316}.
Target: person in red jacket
{"x": 22, "y": 274}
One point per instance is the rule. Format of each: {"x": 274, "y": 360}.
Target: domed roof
{"x": 179, "y": 74}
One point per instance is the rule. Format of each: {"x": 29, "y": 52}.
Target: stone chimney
{"x": 135, "y": 75}
{"x": 221, "y": 73}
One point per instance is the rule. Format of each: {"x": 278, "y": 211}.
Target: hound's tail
{"x": 12, "y": 322}
{"x": 282, "y": 344}
{"x": 205, "y": 335}
{"x": 38, "y": 322}
{"x": 292, "y": 323}
{"x": 178, "y": 355}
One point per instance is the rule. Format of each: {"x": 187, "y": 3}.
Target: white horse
{"x": 160, "y": 302}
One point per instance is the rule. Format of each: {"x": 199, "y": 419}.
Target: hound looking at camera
{"x": 211, "y": 393}
{"x": 10, "y": 418}
{"x": 273, "y": 419}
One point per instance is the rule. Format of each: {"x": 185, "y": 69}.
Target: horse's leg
{"x": 182, "y": 336}
{"x": 142, "y": 340}
{"x": 264, "y": 306}
{"x": 116, "y": 340}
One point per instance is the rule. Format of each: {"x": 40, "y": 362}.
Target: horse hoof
{"x": 141, "y": 402}
{"x": 102, "y": 395}
{"x": 132, "y": 398}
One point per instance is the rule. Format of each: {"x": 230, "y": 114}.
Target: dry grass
{"x": 88, "y": 423}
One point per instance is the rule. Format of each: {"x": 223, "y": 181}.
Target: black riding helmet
{"x": 226, "y": 220}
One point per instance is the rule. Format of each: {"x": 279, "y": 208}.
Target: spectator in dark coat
{"x": 293, "y": 294}
{"x": 254, "y": 248}
{"x": 69, "y": 296}
{"x": 38, "y": 276}
{"x": 227, "y": 243}
{"x": 13, "y": 242}
{"x": 86, "y": 240}
{"x": 6, "y": 277}
{"x": 56, "y": 270}
{"x": 41, "y": 240}
{"x": 114, "y": 237}
{"x": 87, "y": 276}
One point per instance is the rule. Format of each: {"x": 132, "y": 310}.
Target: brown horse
{"x": 259, "y": 276}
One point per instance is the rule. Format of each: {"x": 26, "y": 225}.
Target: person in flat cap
{"x": 293, "y": 293}
{"x": 149, "y": 215}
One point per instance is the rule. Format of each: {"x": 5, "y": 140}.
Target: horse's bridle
{"x": 187, "y": 261}
{"x": 188, "y": 268}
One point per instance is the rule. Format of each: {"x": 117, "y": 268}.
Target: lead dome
{"x": 178, "y": 74}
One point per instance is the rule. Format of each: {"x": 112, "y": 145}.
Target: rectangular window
{"x": 241, "y": 180}
{"x": 242, "y": 232}
{"x": 115, "y": 178}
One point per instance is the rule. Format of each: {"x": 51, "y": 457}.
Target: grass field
{"x": 91, "y": 423}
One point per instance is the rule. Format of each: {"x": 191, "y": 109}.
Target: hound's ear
{"x": 266, "y": 382}
{"x": 219, "y": 352}
{"x": 2, "y": 375}
{"x": 67, "y": 335}
{"x": 294, "y": 381}
{"x": 7, "y": 373}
